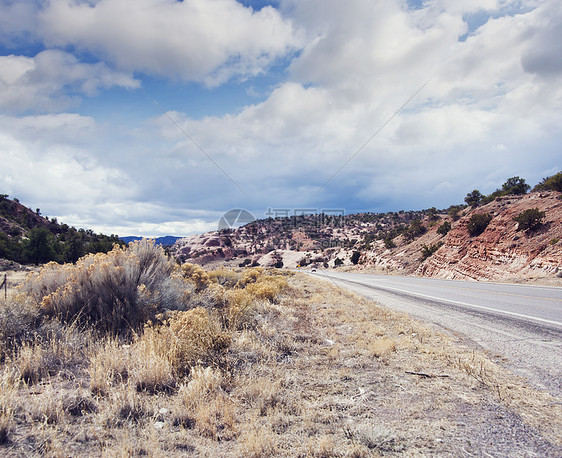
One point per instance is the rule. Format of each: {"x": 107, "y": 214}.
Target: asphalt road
{"x": 520, "y": 326}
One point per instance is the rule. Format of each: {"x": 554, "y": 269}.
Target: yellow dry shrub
{"x": 267, "y": 287}
{"x": 224, "y": 277}
{"x": 240, "y": 307}
{"x": 382, "y": 346}
{"x": 250, "y": 276}
{"x": 185, "y": 338}
{"x": 196, "y": 274}
{"x": 115, "y": 291}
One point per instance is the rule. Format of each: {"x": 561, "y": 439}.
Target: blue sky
{"x": 155, "y": 117}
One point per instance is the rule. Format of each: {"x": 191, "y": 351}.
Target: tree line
{"x": 28, "y": 238}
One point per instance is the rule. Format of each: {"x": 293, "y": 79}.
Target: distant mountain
{"x": 167, "y": 240}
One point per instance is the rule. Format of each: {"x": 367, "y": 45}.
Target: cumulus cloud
{"x": 17, "y": 21}
{"x": 544, "y": 56}
{"x": 39, "y": 161}
{"x": 492, "y": 107}
{"x": 193, "y": 40}
{"x": 53, "y": 80}
{"x": 362, "y": 62}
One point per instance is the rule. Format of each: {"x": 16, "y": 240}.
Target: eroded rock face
{"x": 502, "y": 251}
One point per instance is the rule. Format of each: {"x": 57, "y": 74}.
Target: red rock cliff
{"x": 502, "y": 251}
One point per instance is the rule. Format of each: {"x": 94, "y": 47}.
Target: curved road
{"x": 519, "y": 325}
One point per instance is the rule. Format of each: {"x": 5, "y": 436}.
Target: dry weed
{"x": 19, "y": 320}
{"x": 186, "y": 339}
{"x": 267, "y": 287}
{"x": 224, "y": 277}
{"x": 30, "y": 362}
{"x": 381, "y": 347}
{"x": 46, "y": 405}
{"x": 258, "y": 443}
{"x": 260, "y": 393}
{"x": 204, "y": 402}
{"x": 152, "y": 368}
{"x": 197, "y": 275}
{"x": 109, "y": 365}
{"x": 241, "y": 306}
{"x": 322, "y": 447}
{"x": 8, "y": 393}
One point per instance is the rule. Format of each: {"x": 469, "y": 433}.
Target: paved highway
{"x": 519, "y": 325}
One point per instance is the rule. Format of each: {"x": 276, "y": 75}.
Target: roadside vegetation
{"x": 128, "y": 354}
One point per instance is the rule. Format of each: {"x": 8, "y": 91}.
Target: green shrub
{"x": 432, "y": 213}
{"x": 427, "y": 251}
{"x": 415, "y": 229}
{"x": 553, "y": 183}
{"x": 444, "y": 228}
{"x": 389, "y": 243}
{"x": 530, "y": 220}
{"x": 338, "y": 262}
{"x": 473, "y": 198}
{"x": 478, "y": 223}
{"x": 355, "y": 257}
{"x": 515, "y": 185}
{"x": 454, "y": 211}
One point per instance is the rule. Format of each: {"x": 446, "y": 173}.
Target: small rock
{"x": 159, "y": 425}
{"x": 163, "y": 411}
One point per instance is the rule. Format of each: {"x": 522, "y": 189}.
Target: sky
{"x": 155, "y": 117}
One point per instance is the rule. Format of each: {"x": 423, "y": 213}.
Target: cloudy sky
{"x": 154, "y": 117}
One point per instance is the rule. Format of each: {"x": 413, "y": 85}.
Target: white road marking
{"x": 482, "y": 307}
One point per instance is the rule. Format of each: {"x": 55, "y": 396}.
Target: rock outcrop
{"x": 502, "y": 251}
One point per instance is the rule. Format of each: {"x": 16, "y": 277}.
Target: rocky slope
{"x": 502, "y": 251}
{"x": 402, "y": 242}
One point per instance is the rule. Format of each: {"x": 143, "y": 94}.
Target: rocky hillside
{"x": 503, "y": 250}
{"x": 26, "y": 237}
{"x": 435, "y": 243}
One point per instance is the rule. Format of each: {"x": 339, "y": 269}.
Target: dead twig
{"x": 424, "y": 375}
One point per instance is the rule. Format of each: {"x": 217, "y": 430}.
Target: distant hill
{"x": 167, "y": 240}
{"x": 509, "y": 234}
{"x": 26, "y": 237}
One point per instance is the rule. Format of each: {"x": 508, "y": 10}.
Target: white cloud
{"x": 175, "y": 228}
{"x": 17, "y": 21}
{"x": 366, "y": 60}
{"x": 544, "y": 55}
{"x": 493, "y": 108}
{"x": 41, "y": 165}
{"x": 193, "y": 40}
{"x": 128, "y": 217}
{"x": 53, "y": 80}
{"x": 52, "y": 129}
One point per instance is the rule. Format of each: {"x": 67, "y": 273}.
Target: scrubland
{"x": 126, "y": 354}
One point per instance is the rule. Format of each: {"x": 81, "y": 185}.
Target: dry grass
{"x": 257, "y": 363}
